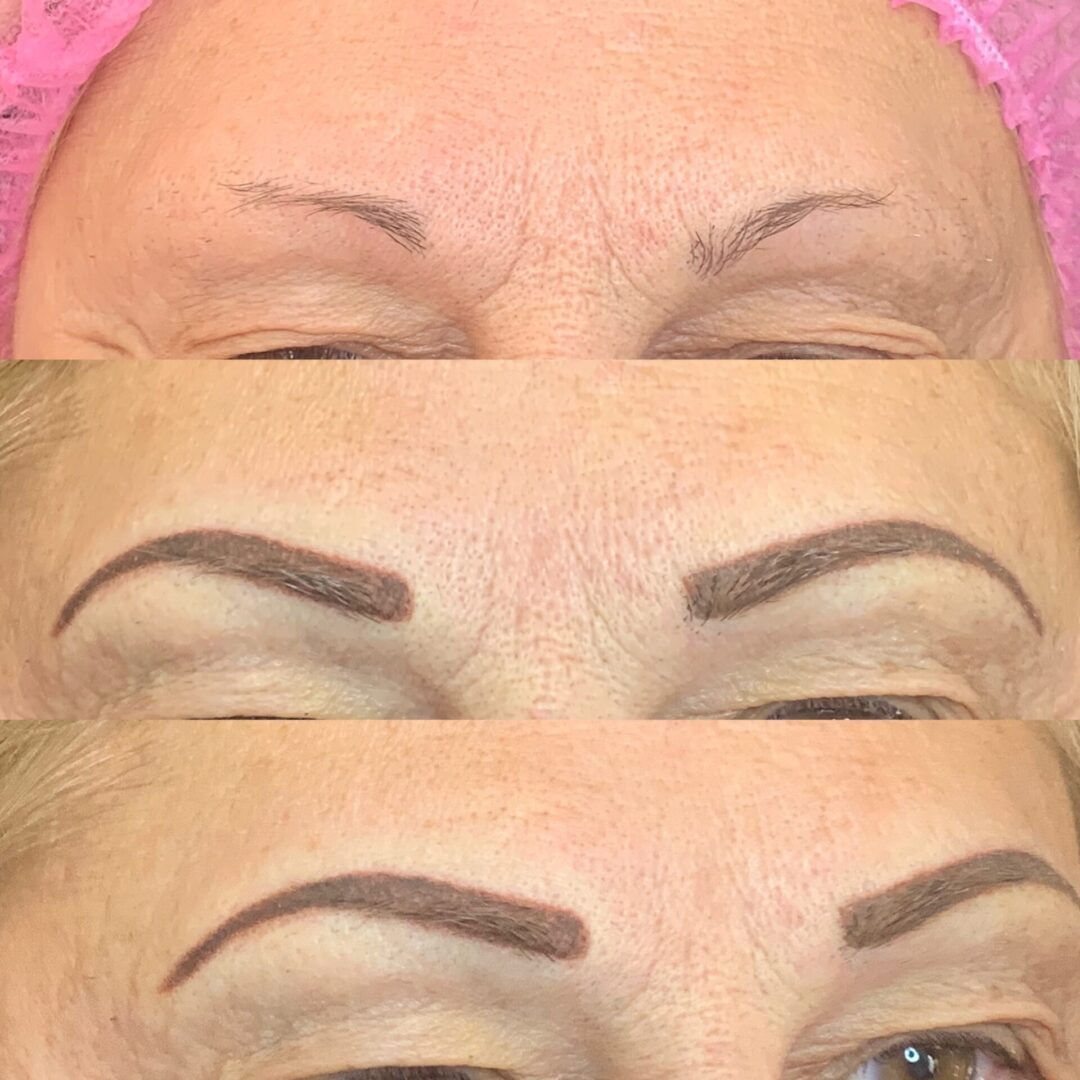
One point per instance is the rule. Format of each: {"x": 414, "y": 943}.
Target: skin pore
{"x": 457, "y": 539}
{"x": 546, "y": 901}
{"x": 718, "y": 178}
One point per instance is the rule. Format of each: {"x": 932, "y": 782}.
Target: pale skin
{"x": 545, "y": 520}
{"x": 562, "y": 163}
{"x": 707, "y": 864}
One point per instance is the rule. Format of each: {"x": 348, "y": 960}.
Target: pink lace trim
{"x": 45, "y": 58}
{"x": 1030, "y": 50}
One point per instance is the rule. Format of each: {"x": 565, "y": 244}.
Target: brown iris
{"x": 915, "y": 1062}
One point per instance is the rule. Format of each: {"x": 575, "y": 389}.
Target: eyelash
{"x": 840, "y": 708}
{"x": 939, "y": 1041}
{"x": 309, "y": 352}
{"x": 340, "y": 352}
{"x": 401, "y": 1072}
{"x": 836, "y": 708}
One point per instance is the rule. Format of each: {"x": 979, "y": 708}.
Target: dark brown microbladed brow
{"x": 728, "y": 589}
{"x": 879, "y": 919}
{"x": 521, "y": 926}
{"x": 715, "y": 252}
{"x": 401, "y": 222}
{"x": 349, "y": 587}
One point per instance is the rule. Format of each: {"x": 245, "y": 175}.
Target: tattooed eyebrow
{"x": 528, "y": 927}
{"x": 728, "y": 589}
{"x": 349, "y": 587}
{"x": 879, "y": 919}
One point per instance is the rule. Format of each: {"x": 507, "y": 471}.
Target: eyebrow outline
{"x": 352, "y": 588}
{"x": 526, "y": 927}
{"x": 725, "y": 590}
{"x": 710, "y": 255}
{"x": 877, "y": 920}
{"x": 400, "y": 221}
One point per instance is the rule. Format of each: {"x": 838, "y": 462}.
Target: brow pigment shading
{"x": 728, "y": 589}
{"x": 525, "y": 927}
{"x": 351, "y": 588}
{"x": 876, "y": 920}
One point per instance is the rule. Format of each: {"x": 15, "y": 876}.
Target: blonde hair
{"x": 56, "y": 776}
{"x": 36, "y": 405}
{"x": 1053, "y": 385}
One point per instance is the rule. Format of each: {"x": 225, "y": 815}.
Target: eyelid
{"x": 918, "y": 708}
{"x": 357, "y": 351}
{"x": 413, "y": 1072}
{"x": 775, "y": 350}
{"x": 938, "y": 708}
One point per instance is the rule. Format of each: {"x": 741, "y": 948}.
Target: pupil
{"x": 920, "y": 1065}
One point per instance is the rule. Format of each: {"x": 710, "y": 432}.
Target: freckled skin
{"x": 563, "y": 165}
{"x": 545, "y": 518}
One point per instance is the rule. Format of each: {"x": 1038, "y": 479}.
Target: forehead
{"x": 744, "y": 810}
{"x": 390, "y": 52}
{"x": 435, "y": 435}
{"x": 431, "y": 102}
{"x": 748, "y": 837}
{"x": 609, "y": 472}
{"x": 546, "y": 514}
{"x": 571, "y": 786}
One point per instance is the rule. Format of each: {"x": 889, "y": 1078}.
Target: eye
{"x": 251, "y": 717}
{"x": 963, "y": 1056}
{"x": 767, "y": 350}
{"x": 317, "y": 352}
{"x": 780, "y": 351}
{"x": 410, "y": 1072}
{"x": 846, "y": 708}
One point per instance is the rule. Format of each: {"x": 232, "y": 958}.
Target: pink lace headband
{"x": 1029, "y": 48}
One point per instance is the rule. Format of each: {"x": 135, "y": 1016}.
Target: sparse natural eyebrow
{"x": 404, "y": 224}
{"x": 709, "y": 254}
{"x": 879, "y": 919}
{"x": 527, "y": 927}
{"x": 728, "y": 589}
{"x": 349, "y": 587}
{"x": 717, "y": 251}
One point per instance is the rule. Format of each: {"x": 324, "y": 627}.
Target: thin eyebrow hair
{"x": 349, "y": 587}
{"x": 526, "y": 927}
{"x": 709, "y": 255}
{"x": 728, "y": 589}
{"x": 715, "y": 252}
{"x": 876, "y": 920}
{"x": 404, "y": 224}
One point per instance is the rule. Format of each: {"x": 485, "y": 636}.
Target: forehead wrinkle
{"x": 890, "y": 19}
